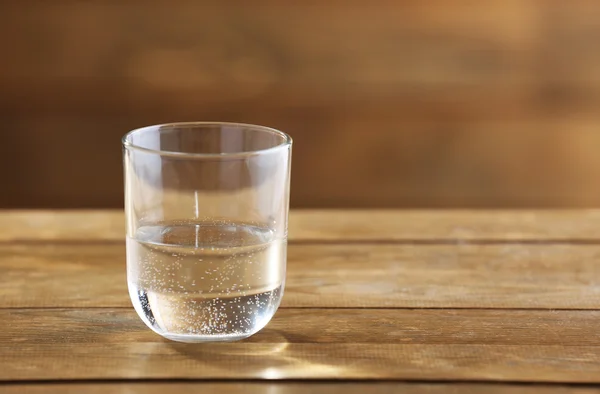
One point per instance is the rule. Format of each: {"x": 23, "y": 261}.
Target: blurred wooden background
{"x": 410, "y": 103}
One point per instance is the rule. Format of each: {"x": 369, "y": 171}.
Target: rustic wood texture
{"x": 331, "y": 276}
{"x": 391, "y": 104}
{"x": 406, "y": 345}
{"x": 73, "y": 327}
{"x": 337, "y": 225}
{"x": 293, "y": 388}
{"x": 361, "y": 305}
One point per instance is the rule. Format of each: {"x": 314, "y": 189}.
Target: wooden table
{"x": 407, "y": 301}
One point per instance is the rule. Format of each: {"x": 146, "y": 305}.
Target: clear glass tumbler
{"x": 207, "y": 207}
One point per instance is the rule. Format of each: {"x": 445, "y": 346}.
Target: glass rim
{"x": 127, "y": 144}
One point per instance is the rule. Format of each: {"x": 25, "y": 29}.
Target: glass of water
{"x": 207, "y": 206}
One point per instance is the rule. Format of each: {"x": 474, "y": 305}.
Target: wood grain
{"x": 294, "y": 388}
{"x": 443, "y": 226}
{"x": 405, "y": 345}
{"x": 74, "y": 327}
{"x": 391, "y": 276}
{"x": 451, "y": 296}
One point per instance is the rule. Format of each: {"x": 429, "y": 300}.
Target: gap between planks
{"x": 416, "y": 242}
{"x": 349, "y": 308}
{"x": 348, "y": 383}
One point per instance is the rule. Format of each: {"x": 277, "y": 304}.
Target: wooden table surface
{"x": 378, "y": 301}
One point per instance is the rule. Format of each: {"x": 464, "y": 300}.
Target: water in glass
{"x": 196, "y": 281}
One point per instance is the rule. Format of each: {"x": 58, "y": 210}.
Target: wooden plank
{"x": 81, "y": 326}
{"x": 344, "y": 275}
{"x": 336, "y": 225}
{"x": 303, "y": 361}
{"x": 518, "y": 346}
{"x": 445, "y": 225}
{"x": 292, "y": 388}
{"x": 48, "y": 225}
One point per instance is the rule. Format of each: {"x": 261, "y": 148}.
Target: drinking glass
{"x": 207, "y": 207}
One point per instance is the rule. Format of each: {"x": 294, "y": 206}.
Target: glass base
{"x": 205, "y": 338}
